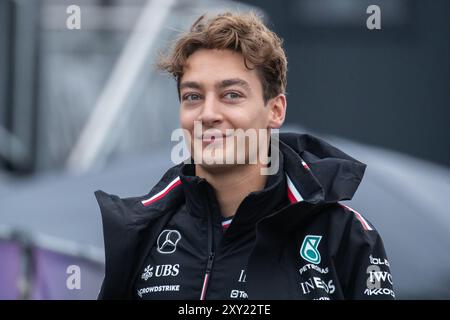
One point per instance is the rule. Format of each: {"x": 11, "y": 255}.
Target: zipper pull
{"x": 210, "y": 262}
{"x": 207, "y": 273}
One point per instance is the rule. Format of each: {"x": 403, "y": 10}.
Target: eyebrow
{"x": 231, "y": 82}
{"x": 190, "y": 84}
{"x": 220, "y": 85}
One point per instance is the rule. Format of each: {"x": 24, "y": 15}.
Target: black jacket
{"x": 291, "y": 240}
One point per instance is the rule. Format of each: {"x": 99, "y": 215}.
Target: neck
{"x": 232, "y": 185}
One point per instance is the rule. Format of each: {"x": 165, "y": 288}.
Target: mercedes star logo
{"x": 167, "y": 241}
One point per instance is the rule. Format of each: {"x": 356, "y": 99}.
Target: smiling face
{"x": 220, "y": 93}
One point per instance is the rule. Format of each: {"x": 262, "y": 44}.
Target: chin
{"x": 217, "y": 168}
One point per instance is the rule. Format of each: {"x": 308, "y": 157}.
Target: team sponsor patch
{"x": 167, "y": 241}
{"x": 315, "y": 284}
{"x": 309, "y": 249}
{"x": 164, "y": 270}
{"x": 314, "y": 267}
{"x": 164, "y": 288}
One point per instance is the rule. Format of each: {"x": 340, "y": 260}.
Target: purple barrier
{"x": 10, "y": 269}
{"x": 65, "y": 277}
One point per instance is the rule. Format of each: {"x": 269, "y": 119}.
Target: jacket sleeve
{"x": 365, "y": 270}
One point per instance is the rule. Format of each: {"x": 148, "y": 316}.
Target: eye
{"x": 232, "y": 95}
{"x": 191, "y": 97}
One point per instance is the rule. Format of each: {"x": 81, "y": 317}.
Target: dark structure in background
{"x": 388, "y": 87}
{"x": 19, "y": 43}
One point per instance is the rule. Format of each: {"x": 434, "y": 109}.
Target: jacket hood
{"x": 319, "y": 171}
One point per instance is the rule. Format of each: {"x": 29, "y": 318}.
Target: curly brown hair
{"x": 244, "y": 33}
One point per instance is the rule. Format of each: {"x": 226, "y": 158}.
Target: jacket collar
{"x": 320, "y": 172}
{"x": 200, "y": 197}
{"x": 310, "y": 170}
{"x": 311, "y": 174}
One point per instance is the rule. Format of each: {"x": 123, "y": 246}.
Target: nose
{"x": 210, "y": 114}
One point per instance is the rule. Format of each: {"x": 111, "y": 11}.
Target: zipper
{"x": 211, "y": 254}
{"x": 207, "y": 275}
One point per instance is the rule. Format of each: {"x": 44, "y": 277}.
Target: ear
{"x": 277, "y": 111}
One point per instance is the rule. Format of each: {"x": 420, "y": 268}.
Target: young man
{"x": 215, "y": 229}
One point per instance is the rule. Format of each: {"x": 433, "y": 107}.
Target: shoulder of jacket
{"x": 357, "y": 217}
{"x": 134, "y": 209}
{"x": 345, "y": 222}
{"x": 356, "y": 228}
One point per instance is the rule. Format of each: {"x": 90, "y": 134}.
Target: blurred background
{"x": 85, "y": 109}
